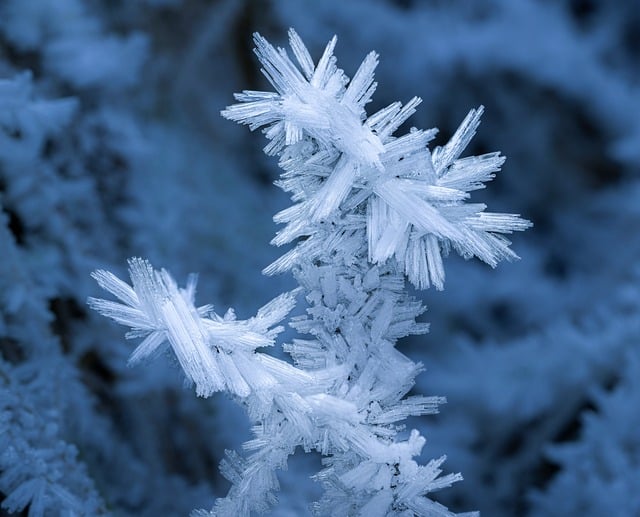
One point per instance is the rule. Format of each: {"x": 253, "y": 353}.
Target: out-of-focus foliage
{"x": 111, "y": 145}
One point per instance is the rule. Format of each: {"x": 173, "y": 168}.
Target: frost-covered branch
{"x": 369, "y": 208}
{"x": 328, "y": 407}
{"x": 216, "y": 353}
{"x": 338, "y": 160}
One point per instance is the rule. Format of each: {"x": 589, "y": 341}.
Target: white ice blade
{"x": 302, "y": 54}
{"x": 445, "y": 156}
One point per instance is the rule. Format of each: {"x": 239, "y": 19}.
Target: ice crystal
{"x": 347, "y": 170}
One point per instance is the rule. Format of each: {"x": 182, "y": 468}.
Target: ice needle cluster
{"x": 340, "y": 164}
{"x": 370, "y": 209}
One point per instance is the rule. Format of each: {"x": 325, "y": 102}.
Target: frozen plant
{"x": 369, "y": 209}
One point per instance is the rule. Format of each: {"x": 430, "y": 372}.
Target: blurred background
{"x": 111, "y": 146}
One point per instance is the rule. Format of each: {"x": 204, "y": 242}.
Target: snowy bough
{"x": 370, "y": 210}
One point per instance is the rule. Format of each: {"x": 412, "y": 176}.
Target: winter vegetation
{"x": 371, "y": 208}
{"x": 112, "y": 146}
